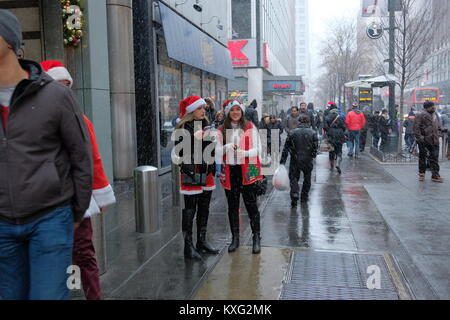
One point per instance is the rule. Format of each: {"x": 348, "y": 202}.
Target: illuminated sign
{"x": 365, "y": 95}
{"x": 281, "y": 86}
{"x": 243, "y": 52}
{"x": 237, "y": 56}
{"x": 266, "y": 56}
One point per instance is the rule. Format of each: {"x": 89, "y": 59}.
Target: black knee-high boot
{"x": 189, "y": 250}
{"x": 234, "y": 226}
{"x": 202, "y": 223}
{"x": 255, "y": 223}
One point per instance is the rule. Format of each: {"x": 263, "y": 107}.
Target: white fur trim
{"x": 233, "y": 104}
{"x": 60, "y": 73}
{"x": 197, "y": 104}
{"x": 104, "y": 196}
{"x": 93, "y": 209}
{"x": 191, "y": 193}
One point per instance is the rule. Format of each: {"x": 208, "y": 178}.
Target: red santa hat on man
{"x": 232, "y": 103}
{"x": 190, "y": 104}
{"x": 57, "y": 71}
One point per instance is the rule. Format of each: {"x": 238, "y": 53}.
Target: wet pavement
{"x": 371, "y": 208}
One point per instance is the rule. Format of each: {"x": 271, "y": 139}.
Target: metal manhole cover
{"x": 338, "y": 276}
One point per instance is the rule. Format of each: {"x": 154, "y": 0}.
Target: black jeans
{"x": 294, "y": 176}
{"x": 363, "y": 140}
{"x": 376, "y": 139}
{"x": 337, "y": 153}
{"x": 429, "y": 153}
{"x": 250, "y": 201}
{"x": 384, "y": 139}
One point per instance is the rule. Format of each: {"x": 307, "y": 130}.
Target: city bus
{"x": 417, "y": 97}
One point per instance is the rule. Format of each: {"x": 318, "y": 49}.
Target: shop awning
{"x": 380, "y": 81}
{"x": 188, "y": 44}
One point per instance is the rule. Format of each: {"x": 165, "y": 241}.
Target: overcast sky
{"x": 321, "y": 13}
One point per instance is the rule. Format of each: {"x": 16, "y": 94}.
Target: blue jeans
{"x": 34, "y": 257}
{"x": 353, "y": 142}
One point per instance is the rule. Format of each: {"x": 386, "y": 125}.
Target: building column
{"x": 92, "y": 79}
{"x": 52, "y": 30}
{"x": 256, "y": 89}
{"x": 121, "y": 69}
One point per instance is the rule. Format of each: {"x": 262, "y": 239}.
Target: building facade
{"x": 136, "y": 61}
{"x": 302, "y": 37}
{"x": 437, "y": 71}
{"x": 263, "y": 47}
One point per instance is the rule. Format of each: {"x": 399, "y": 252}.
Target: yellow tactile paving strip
{"x": 244, "y": 276}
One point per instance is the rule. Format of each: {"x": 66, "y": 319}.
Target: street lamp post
{"x": 392, "y": 111}
{"x": 393, "y": 137}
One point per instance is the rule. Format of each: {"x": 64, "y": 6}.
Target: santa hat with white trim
{"x": 190, "y": 104}
{"x": 232, "y": 103}
{"x": 57, "y": 71}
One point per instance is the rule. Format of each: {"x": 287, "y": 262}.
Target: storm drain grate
{"x": 336, "y": 276}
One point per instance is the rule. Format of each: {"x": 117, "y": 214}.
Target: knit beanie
{"x": 10, "y": 30}
{"x": 231, "y": 104}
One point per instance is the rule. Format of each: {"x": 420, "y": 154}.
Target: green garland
{"x": 73, "y": 26}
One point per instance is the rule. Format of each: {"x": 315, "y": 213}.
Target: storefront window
{"x": 209, "y": 85}
{"x": 192, "y": 82}
{"x": 169, "y": 100}
{"x": 222, "y": 90}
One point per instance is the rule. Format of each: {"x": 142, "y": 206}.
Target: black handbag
{"x": 195, "y": 179}
{"x": 261, "y": 187}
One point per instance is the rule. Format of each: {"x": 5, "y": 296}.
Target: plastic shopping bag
{"x": 281, "y": 179}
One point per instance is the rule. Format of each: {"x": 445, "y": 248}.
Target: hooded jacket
{"x": 355, "y": 120}
{"x": 45, "y": 157}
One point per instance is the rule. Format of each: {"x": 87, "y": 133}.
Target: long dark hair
{"x": 228, "y": 125}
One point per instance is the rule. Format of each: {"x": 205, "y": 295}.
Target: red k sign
{"x": 235, "y": 48}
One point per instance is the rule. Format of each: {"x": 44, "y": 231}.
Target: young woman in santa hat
{"x": 102, "y": 196}
{"x": 238, "y": 152}
{"x": 196, "y": 198}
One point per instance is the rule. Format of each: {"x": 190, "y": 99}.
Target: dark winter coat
{"x": 374, "y": 124}
{"x": 311, "y": 116}
{"x": 45, "y": 154}
{"x": 302, "y": 145}
{"x": 384, "y": 124}
{"x": 251, "y": 114}
{"x": 427, "y": 128}
{"x": 409, "y": 126}
{"x": 291, "y": 123}
{"x": 335, "y": 131}
{"x": 190, "y": 168}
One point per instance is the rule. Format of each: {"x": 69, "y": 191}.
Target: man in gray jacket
{"x": 45, "y": 174}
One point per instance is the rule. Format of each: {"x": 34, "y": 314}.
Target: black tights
{"x": 250, "y": 201}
